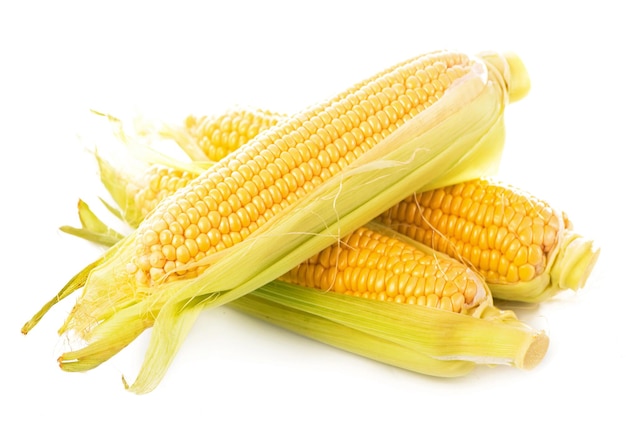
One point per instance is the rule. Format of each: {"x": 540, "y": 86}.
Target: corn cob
{"x": 372, "y": 265}
{"x": 525, "y": 249}
{"x": 179, "y": 259}
{"x": 218, "y": 136}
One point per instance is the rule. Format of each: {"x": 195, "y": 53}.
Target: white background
{"x": 565, "y": 144}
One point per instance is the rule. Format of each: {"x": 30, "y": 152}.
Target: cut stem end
{"x": 536, "y": 351}
{"x": 577, "y": 259}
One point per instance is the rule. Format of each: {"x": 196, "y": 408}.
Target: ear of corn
{"x": 373, "y": 265}
{"x": 519, "y": 243}
{"x": 451, "y": 106}
{"x": 214, "y": 137}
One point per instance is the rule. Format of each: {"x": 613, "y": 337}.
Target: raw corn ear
{"x": 526, "y": 249}
{"x": 435, "y": 118}
{"x": 219, "y": 135}
{"x": 372, "y": 265}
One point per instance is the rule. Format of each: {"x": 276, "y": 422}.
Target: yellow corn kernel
{"x": 373, "y": 265}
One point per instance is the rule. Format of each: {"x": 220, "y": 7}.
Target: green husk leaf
{"x": 434, "y": 338}
{"x": 93, "y": 229}
{"x": 77, "y": 282}
{"x": 185, "y": 141}
{"x": 138, "y": 151}
{"x": 315, "y": 324}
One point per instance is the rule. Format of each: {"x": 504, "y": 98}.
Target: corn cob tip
{"x": 575, "y": 261}
{"x": 536, "y": 351}
{"x": 519, "y": 85}
{"x": 514, "y": 72}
